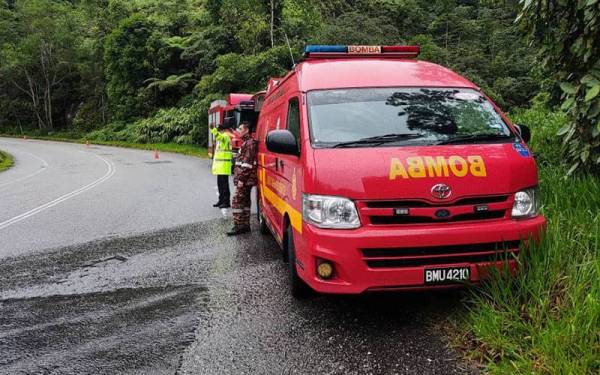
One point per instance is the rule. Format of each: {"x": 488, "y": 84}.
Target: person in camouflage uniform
{"x": 244, "y": 179}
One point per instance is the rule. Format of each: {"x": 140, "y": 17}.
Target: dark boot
{"x": 239, "y": 229}
{"x": 224, "y": 205}
{"x": 217, "y": 204}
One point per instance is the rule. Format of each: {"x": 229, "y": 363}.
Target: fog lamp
{"x": 325, "y": 270}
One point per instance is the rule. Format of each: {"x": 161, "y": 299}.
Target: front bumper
{"x": 352, "y": 275}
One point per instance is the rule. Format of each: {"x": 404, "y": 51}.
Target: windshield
{"x": 403, "y": 116}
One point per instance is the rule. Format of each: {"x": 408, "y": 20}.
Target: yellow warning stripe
{"x": 279, "y": 203}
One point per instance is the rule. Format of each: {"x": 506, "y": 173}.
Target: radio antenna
{"x": 289, "y": 48}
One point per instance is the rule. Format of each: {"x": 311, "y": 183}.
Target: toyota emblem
{"x": 441, "y": 191}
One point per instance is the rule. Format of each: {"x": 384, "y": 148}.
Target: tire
{"x": 262, "y": 224}
{"x": 298, "y": 288}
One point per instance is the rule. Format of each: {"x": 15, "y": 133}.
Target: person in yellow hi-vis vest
{"x": 222, "y": 158}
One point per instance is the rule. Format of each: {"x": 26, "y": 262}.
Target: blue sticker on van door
{"x": 522, "y": 150}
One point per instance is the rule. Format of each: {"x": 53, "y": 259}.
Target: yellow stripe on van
{"x": 279, "y": 203}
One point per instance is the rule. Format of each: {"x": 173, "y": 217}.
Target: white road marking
{"x": 109, "y": 173}
{"x": 43, "y": 168}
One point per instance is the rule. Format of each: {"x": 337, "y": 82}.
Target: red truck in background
{"x": 229, "y": 113}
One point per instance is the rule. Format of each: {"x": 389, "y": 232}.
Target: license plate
{"x": 447, "y": 275}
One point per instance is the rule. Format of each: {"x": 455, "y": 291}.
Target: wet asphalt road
{"x": 136, "y": 275}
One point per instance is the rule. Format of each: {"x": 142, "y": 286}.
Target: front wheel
{"x": 298, "y": 288}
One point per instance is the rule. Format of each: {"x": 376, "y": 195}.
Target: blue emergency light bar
{"x": 341, "y": 51}
{"x": 311, "y": 48}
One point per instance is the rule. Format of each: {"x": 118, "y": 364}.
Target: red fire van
{"x": 381, "y": 172}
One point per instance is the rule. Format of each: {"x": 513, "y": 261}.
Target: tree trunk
{"x": 31, "y": 91}
{"x": 447, "y": 40}
{"x": 48, "y": 107}
{"x": 272, "y": 22}
{"x": 103, "y": 108}
{"x": 45, "y": 60}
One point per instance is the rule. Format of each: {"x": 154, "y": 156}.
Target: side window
{"x": 293, "y": 118}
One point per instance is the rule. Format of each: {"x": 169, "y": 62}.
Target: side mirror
{"x": 229, "y": 123}
{"x": 524, "y": 132}
{"x": 282, "y": 142}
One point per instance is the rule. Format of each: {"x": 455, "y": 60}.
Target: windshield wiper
{"x": 379, "y": 139}
{"x": 474, "y": 138}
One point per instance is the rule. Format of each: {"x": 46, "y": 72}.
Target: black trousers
{"x": 223, "y": 185}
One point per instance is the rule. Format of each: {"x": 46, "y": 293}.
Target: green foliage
{"x": 569, "y": 35}
{"x": 38, "y": 57}
{"x": 133, "y": 59}
{"x": 237, "y": 72}
{"x": 359, "y": 28}
{"x": 144, "y": 57}
{"x": 202, "y": 48}
{"x": 544, "y": 125}
{"x": 179, "y": 125}
{"x": 128, "y": 62}
{"x": 547, "y": 319}
{"x": 115, "y": 131}
{"x": 171, "y": 82}
{"x": 6, "y": 161}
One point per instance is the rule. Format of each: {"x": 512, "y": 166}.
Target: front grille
{"x": 422, "y": 211}
{"x": 389, "y": 220}
{"x": 423, "y": 203}
{"x": 435, "y": 255}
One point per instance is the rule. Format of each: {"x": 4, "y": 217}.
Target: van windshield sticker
{"x": 522, "y": 150}
{"x": 437, "y": 166}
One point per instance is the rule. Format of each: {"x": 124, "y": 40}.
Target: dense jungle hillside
{"x": 146, "y": 70}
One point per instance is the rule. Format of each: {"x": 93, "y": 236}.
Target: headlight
{"x": 527, "y": 203}
{"x": 329, "y": 212}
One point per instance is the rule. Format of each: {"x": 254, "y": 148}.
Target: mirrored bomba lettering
{"x": 277, "y": 186}
{"x": 437, "y": 166}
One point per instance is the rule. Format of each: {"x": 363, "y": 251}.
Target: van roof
{"x": 375, "y": 72}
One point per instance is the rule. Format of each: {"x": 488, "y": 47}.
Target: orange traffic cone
{"x": 156, "y": 156}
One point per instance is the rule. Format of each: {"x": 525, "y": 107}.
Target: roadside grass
{"x": 6, "y": 161}
{"x": 185, "y": 149}
{"x": 545, "y": 320}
